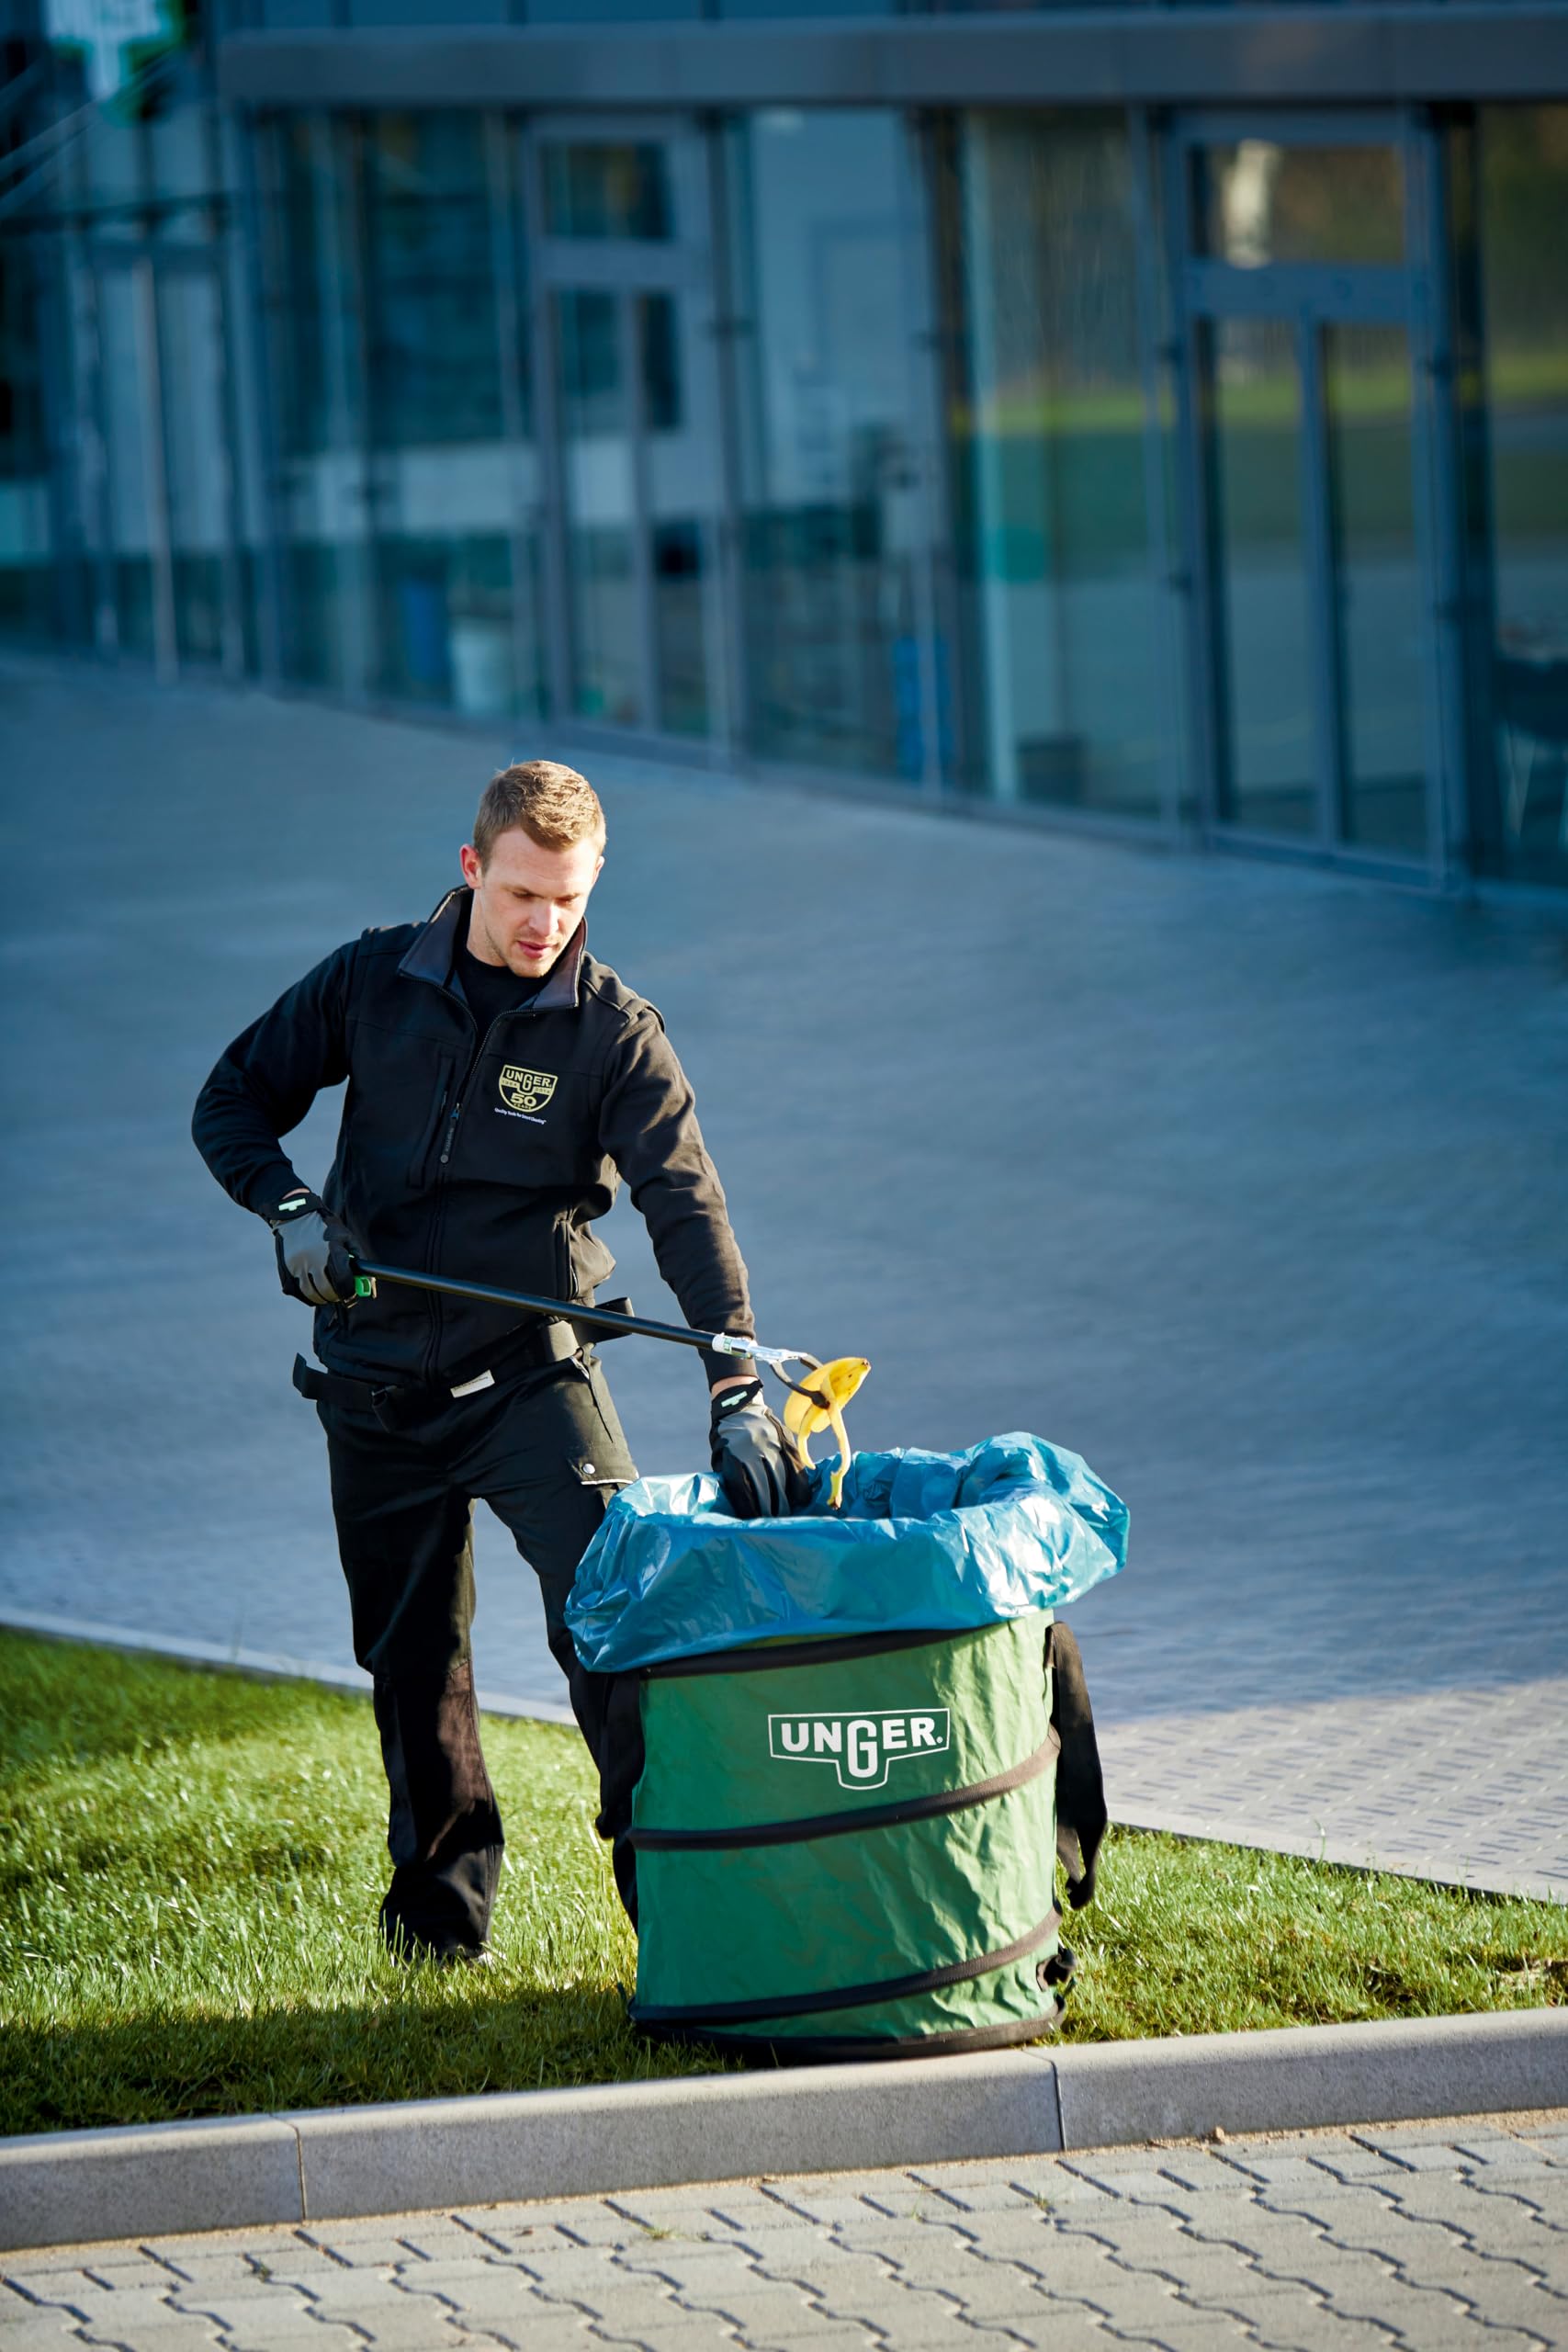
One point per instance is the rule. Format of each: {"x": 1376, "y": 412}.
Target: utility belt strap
{"x": 539, "y": 1342}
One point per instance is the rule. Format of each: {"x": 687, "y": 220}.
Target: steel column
{"x": 1195, "y": 495}
{"x": 271, "y": 636}
{"x": 629, "y": 324}
{"x": 547, "y": 426}
{"x": 914, "y": 247}
{"x": 1324, "y": 619}
{"x": 154, "y": 426}
{"x": 521, "y": 508}
{"x": 1168, "y": 580}
{"x": 723, "y": 580}
{"x": 1439, "y": 536}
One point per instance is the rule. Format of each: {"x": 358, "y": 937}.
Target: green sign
{"x": 116, "y": 39}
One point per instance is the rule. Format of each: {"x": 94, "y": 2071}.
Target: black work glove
{"x": 755, "y": 1457}
{"x": 314, "y": 1250}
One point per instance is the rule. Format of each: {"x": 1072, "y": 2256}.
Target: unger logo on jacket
{"x": 859, "y": 1747}
{"x": 526, "y": 1090}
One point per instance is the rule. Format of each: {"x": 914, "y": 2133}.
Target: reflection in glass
{"x": 601, "y": 507}
{"x": 606, "y": 191}
{"x": 1259, "y": 202}
{"x": 1050, "y": 447}
{"x": 1524, "y": 304}
{"x": 127, "y": 386}
{"x": 832, "y": 504}
{"x": 681, "y": 475}
{"x": 1261, "y": 598}
{"x": 312, "y": 337}
{"x": 190, "y": 327}
{"x": 180, "y": 157}
{"x": 26, "y": 599}
{"x": 111, "y": 164}
{"x": 1366, "y": 394}
{"x": 445, "y": 479}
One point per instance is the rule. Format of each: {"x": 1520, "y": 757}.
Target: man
{"x": 500, "y": 1078}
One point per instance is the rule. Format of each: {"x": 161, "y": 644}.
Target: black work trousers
{"x": 545, "y": 1451}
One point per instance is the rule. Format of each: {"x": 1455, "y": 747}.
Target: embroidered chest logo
{"x": 860, "y": 1748}
{"x": 525, "y": 1089}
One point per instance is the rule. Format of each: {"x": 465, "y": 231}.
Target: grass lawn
{"x": 190, "y": 1865}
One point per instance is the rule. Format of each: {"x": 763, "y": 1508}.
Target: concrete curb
{"x": 70, "y": 2187}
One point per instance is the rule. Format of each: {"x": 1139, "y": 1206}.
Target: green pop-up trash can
{"x": 838, "y": 1834}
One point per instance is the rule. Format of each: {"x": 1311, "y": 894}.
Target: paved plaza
{"x": 1245, "y": 1181}
{"x": 1443, "y": 2237}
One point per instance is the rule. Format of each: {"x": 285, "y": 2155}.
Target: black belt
{"x": 532, "y": 1347}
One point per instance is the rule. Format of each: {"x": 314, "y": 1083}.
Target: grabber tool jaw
{"x": 815, "y": 1402}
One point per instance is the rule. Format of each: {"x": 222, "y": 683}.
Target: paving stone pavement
{"x": 1436, "y": 2237}
{"x": 1246, "y": 1182}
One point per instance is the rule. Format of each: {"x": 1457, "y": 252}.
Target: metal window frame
{"x": 1433, "y": 361}
{"x": 335, "y": 309}
{"x": 259, "y": 274}
{"x": 1310, "y": 298}
{"x": 916, "y": 247}
{"x": 1170, "y": 579}
{"x": 726, "y": 573}
{"x": 686, "y": 268}
{"x": 131, "y": 261}
{"x": 948, "y": 373}
{"x": 508, "y": 269}
{"x": 232, "y": 659}
{"x": 540, "y": 309}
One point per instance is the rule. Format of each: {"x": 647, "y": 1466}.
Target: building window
{"x": 833, "y": 506}
{"x": 313, "y": 344}
{"x": 1062, "y": 685}
{"x": 26, "y": 601}
{"x": 1519, "y": 484}
{"x": 404, "y": 418}
{"x": 604, "y": 190}
{"x": 442, "y": 487}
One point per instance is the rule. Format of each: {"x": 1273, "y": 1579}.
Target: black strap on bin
{"x": 840, "y": 1824}
{"x": 764, "y": 1656}
{"x": 1080, "y": 1787}
{"x": 849, "y": 1996}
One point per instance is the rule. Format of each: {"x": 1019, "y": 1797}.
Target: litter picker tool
{"x": 815, "y": 1402}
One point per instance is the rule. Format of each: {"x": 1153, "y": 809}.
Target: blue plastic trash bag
{"x": 926, "y": 1541}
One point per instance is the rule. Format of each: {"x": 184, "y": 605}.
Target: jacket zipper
{"x": 448, "y": 1138}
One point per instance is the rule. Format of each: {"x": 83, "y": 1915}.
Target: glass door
{"x": 1315, "y": 637}
{"x": 627, "y": 299}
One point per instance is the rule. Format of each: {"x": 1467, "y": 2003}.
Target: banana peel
{"x": 816, "y": 1401}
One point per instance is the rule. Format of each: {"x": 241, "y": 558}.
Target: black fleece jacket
{"x": 486, "y": 1158}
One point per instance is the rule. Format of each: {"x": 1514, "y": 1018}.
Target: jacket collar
{"x": 434, "y": 946}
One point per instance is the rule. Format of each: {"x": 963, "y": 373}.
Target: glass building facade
{"x": 1196, "y": 470}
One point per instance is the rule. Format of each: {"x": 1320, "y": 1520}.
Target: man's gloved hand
{"x": 313, "y": 1251}
{"x": 754, "y": 1456}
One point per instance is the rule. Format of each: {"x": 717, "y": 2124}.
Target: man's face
{"x": 528, "y": 900}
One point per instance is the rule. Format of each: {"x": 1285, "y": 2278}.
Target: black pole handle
{"x": 598, "y": 1318}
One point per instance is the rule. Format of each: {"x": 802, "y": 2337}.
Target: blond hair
{"x": 553, "y": 805}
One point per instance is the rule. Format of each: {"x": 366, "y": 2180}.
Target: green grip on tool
{"x": 364, "y": 1286}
